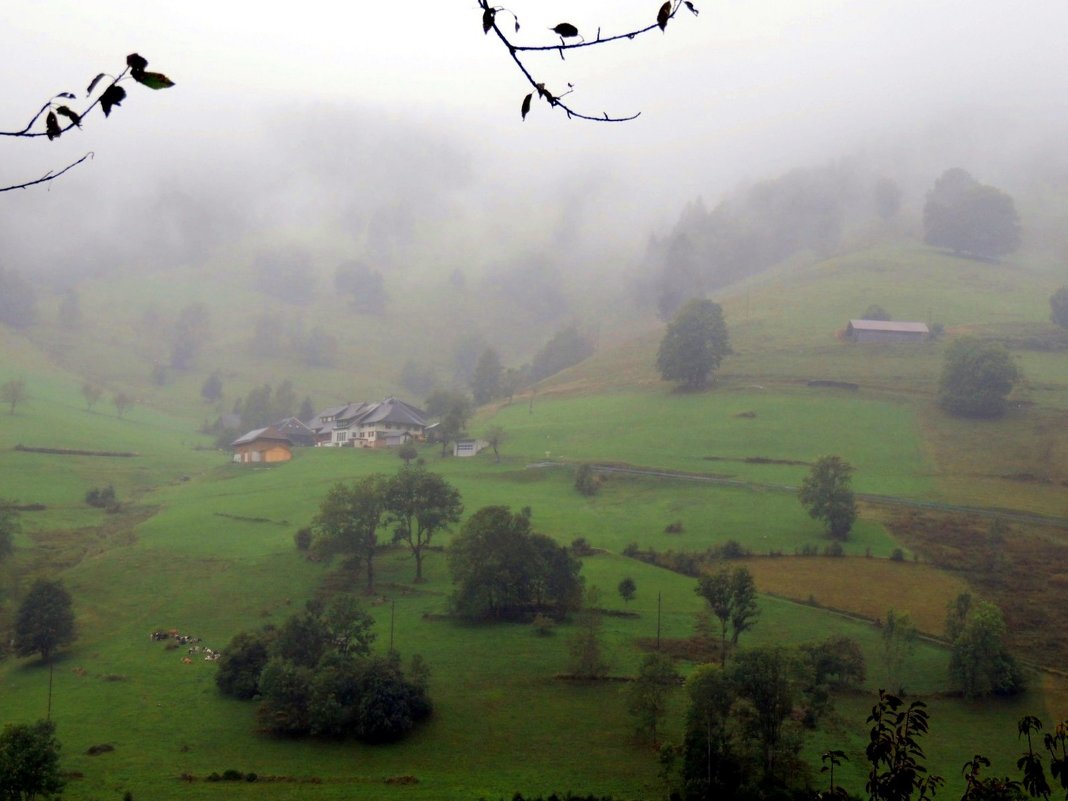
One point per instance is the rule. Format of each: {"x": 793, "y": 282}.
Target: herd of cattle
{"x": 194, "y": 649}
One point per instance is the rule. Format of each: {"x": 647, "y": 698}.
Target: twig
{"x": 48, "y": 176}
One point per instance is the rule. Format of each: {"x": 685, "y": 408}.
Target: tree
{"x": 980, "y": 663}
{"x": 694, "y": 344}
{"x": 495, "y": 436}
{"x": 887, "y": 199}
{"x": 977, "y": 378}
{"x": 1058, "y": 307}
{"x": 364, "y": 286}
{"x": 567, "y": 347}
{"x": 122, "y": 402}
{"x": 18, "y": 300}
{"x": 585, "y": 648}
{"x": 408, "y": 453}
{"x": 44, "y": 622}
{"x": 307, "y": 410}
{"x": 895, "y": 754}
{"x": 898, "y": 642}
{"x": 9, "y": 527}
{"x": 769, "y": 679}
{"x": 29, "y": 761}
{"x": 731, "y": 595}
{"x": 566, "y": 31}
{"x": 875, "y": 312}
{"x": 968, "y": 217}
{"x": 348, "y": 520}
{"x": 827, "y": 495}
{"x": 420, "y": 503}
{"x": 453, "y": 410}
{"x": 586, "y": 481}
{"x": 242, "y": 662}
{"x": 486, "y": 381}
{"x": 13, "y": 393}
{"x": 627, "y": 589}
{"x": 647, "y": 696}
{"x": 502, "y": 569}
{"x": 712, "y": 764}
{"x": 191, "y": 332}
{"x": 212, "y": 388}
{"x": 46, "y": 122}
{"x": 92, "y": 392}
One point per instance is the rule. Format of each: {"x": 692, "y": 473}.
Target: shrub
{"x": 897, "y": 555}
{"x": 674, "y": 527}
{"x": 232, "y": 775}
{"x": 585, "y": 481}
{"x": 303, "y": 539}
{"x": 834, "y": 549}
{"x": 581, "y": 547}
{"x": 732, "y": 549}
{"x": 101, "y": 498}
{"x": 543, "y": 625}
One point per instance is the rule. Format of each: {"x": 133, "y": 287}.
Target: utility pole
{"x": 658, "y": 621}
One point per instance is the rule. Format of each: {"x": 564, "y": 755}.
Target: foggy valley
{"x": 369, "y": 430}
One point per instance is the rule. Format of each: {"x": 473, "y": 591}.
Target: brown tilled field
{"x": 1021, "y": 568}
{"x": 862, "y": 586}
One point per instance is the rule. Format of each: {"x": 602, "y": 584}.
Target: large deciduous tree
{"x": 29, "y": 761}
{"x": 348, "y": 520}
{"x": 420, "y": 503}
{"x": 977, "y": 378}
{"x": 827, "y": 494}
{"x": 647, "y": 697}
{"x": 968, "y": 217}
{"x": 502, "y": 569}
{"x": 44, "y": 622}
{"x": 694, "y": 344}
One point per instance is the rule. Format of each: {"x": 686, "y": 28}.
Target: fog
{"x": 398, "y": 127}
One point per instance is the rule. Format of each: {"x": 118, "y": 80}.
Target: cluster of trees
{"x": 746, "y": 720}
{"x": 275, "y": 336}
{"x": 416, "y": 502}
{"x": 491, "y": 380}
{"x": 452, "y": 410}
{"x": 262, "y": 406}
{"x": 755, "y": 228}
{"x": 364, "y": 286}
{"x": 29, "y": 761}
{"x": 969, "y": 217}
{"x": 191, "y": 333}
{"x": 315, "y": 674}
{"x": 980, "y": 662}
{"x": 503, "y": 570}
{"x": 694, "y": 344}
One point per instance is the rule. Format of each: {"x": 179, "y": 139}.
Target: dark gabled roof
{"x": 317, "y": 425}
{"x": 890, "y": 326}
{"x": 269, "y": 432}
{"x": 351, "y": 412}
{"x": 392, "y": 410}
{"x": 292, "y": 427}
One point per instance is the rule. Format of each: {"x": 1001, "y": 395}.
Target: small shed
{"x": 468, "y": 447}
{"x": 262, "y": 446}
{"x": 888, "y": 331}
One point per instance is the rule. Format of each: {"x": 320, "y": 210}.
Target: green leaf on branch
{"x": 526, "y": 105}
{"x": 52, "y": 129}
{"x": 73, "y": 116}
{"x": 565, "y": 30}
{"x": 692, "y": 7}
{"x": 113, "y": 96}
{"x": 153, "y": 80}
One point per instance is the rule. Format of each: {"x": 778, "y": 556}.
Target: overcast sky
{"x": 745, "y": 90}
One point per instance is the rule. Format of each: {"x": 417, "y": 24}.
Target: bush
{"x": 101, "y": 498}
{"x": 897, "y": 555}
{"x": 674, "y": 527}
{"x": 834, "y": 549}
{"x": 232, "y": 775}
{"x": 543, "y": 625}
{"x": 732, "y": 549}
{"x": 303, "y": 539}
{"x": 581, "y": 547}
{"x": 585, "y": 481}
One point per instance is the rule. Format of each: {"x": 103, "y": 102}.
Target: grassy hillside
{"x": 206, "y": 546}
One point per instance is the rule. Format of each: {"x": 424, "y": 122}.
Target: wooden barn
{"x": 886, "y": 331}
{"x": 262, "y": 446}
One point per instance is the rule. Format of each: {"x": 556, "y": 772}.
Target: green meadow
{"x": 206, "y": 546}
